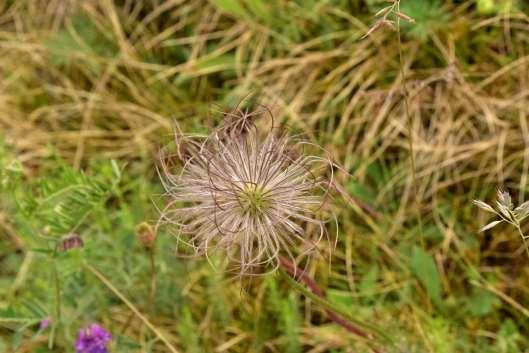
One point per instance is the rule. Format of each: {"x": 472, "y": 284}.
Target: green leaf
{"x": 508, "y": 337}
{"x": 485, "y": 6}
{"x": 368, "y": 282}
{"x": 41, "y": 250}
{"x": 83, "y": 38}
{"x": 424, "y": 268}
{"x": 429, "y": 16}
{"x": 231, "y": 7}
{"x": 291, "y": 322}
{"x": 490, "y": 7}
{"x": 358, "y": 190}
{"x": 339, "y": 297}
{"x": 214, "y": 64}
{"x": 188, "y": 331}
{"x": 259, "y": 9}
{"x": 481, "y": 302}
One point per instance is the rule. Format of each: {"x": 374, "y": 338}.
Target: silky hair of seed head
{"x": 254, "y": 196}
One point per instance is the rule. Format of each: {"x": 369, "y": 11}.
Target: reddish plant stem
{"x": 301, "y": 276}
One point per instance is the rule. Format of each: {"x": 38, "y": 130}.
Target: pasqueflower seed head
{"x": 254, "y": 196}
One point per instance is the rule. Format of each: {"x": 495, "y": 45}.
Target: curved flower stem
{"x": 294, "y": 275}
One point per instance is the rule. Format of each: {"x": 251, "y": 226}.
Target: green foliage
{"x": 62, "y": 200}
{"x": 429, "y": 16}
{"x": 482, "y": 303}
{"x": 423, "y": 266}
{"x": 232, "y": 7}
{"x": 188, "y": 332}
{"x": 260, "y": 9}
{"x": 368, "y": 282}
{"x": 488, "y": 7}
{"x": 439, "y": 334}
{"x": 44, "y": 211}
{"x": 508, "y": 338}
{"x": 82, "y": 39}
{"x": 340, "y": 90}
{"x": 219, "y": 299}
{"x": 286, "y": 307}
{"x": 291, "y": 322}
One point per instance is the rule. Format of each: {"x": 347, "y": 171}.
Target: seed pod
{"x": 71, "y": 241}
{"x": 145, "y": 234}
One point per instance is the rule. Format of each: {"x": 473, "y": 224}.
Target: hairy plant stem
{"x": 152, "y": 294}
{"x": 294, "y": 276}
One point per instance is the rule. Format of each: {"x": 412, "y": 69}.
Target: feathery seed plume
{"x": 254, "y": 196}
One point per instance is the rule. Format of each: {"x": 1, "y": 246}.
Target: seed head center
{"x": 254, "y": 200}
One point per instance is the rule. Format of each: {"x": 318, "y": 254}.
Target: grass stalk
{"x": 523, "y": 239}
{"x": 152, "y": 293}
{"x": 131, "y": 306}
{"x": 409, "y": 127}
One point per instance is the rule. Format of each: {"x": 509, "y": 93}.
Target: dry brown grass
{"x": 172, "y": 60}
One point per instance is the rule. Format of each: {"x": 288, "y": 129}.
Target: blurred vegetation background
{"x": 86, "y": 82}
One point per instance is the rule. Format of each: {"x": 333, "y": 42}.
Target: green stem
{"x": 152, "y": 294}
{"x": 57, "y": 285}
{"x": 57, "y": 291}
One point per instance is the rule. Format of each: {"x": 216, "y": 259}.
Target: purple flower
{"x": 45, "y": 323}
{"x": 93, "y": 339}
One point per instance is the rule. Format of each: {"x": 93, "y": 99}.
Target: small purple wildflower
{"x": 93, "y": 339}
{"x": 45, "y": 323}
